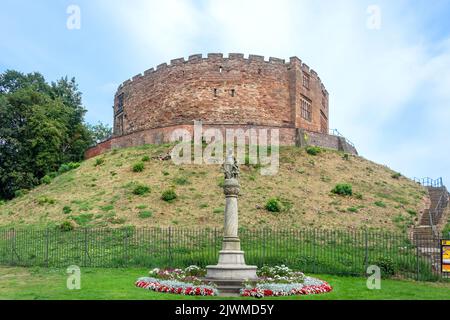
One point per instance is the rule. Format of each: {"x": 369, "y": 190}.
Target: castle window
{"x": 233, "y": 92}
{"x": 306, "y": 109}
{"x": 220, "y": 69}
{"x": 215, "y": 92}
{"x": 306, "y": 80}
{"x": 120, "y": 103}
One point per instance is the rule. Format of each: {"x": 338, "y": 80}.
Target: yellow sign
{"x": 445, "y": 250}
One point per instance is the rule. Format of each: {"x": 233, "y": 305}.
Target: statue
{"x": 230, "y": 167}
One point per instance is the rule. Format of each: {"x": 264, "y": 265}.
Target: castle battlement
{"x": 219, "y": 57}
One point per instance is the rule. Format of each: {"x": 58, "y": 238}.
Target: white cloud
{"x": 374, "y": 78}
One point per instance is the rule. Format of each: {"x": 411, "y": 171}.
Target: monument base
{"x": 230, "y": 273}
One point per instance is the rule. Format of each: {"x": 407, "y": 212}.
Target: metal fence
{"x": 309, "y": 250}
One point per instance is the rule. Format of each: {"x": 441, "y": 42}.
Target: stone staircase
{"x": 426, "y": 234}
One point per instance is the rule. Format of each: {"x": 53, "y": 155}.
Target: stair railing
{"x": 436, "y": 213}
{"x": 335, "y": 132}
{"x": 429, "y": 182}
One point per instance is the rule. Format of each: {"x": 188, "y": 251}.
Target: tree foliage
{"x": 41, "y": 127}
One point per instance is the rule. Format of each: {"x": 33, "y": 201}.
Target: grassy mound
{"x": 134, "y": 187}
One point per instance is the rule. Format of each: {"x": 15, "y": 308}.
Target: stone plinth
{"x": 231, "y": 270}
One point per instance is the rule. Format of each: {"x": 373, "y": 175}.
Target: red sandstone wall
{"x": 266, "y": 93}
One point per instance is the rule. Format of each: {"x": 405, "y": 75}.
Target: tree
{"x": 41, "y": 127}
{"x": 99, "y": 132}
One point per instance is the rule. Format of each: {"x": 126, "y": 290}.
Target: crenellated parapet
{"x": 217, "y": 58}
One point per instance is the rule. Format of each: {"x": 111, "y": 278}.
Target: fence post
{"x": 170, "y": 245}
{"x": 215, "y": 242}
{"x": 417, "y": 259}
{"x": 85, "y": 246}
{"x": 366, "y": 252}
{"x": 46, "y": 247}
{"x": 13, "y": 244}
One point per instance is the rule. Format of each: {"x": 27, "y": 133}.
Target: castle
{"x": 223, "y": 92}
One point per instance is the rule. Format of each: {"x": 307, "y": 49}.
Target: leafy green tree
{"x": 41, "y": 127}
{"x": 99, "y": 132}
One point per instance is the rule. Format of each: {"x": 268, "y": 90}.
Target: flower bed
{"x": 273, "y": 281}
{"x": 176, "y": 287}
{"x": 178, "y": 281}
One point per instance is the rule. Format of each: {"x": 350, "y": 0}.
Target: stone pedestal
{"x": 231, "y": 270}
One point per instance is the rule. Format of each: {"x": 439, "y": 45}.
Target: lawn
{"x": 118, "y": 284}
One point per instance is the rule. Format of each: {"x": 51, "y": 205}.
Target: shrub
{"x": 386, "y": 265}
{"x": 138, "y": 167}
{"x": 65, "y": 167}
{"x": 67, "y": 210}
{"x": 358, "y": 196}
{"x": 274, "y": 205}
{"x": 165, "y": 173}
{"x": 313, "y": 150}
{"x": 380, "y": 204}
{"x": 343, "y": 189}
{"x": 396, "y": 175}
{"x": 168, "y": 195}
{"x": 145, "y": 214}
{"x": 412, "y": 212}
{"x": 99, "y": 162}
{"x": 182, "y": 181}
{"x": 141, "y": 189}
{"x": 66, "y": 226}
{"x": 145, "y": 159}
{"x": 46, "y": 179}
{"x": 20, "y": 193}
{"x": 352, "y": 209}
{"x": 346, "y": 156}
{"x": 44, "y": 200}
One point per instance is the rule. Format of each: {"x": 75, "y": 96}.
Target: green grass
{"x": 118, "y": 284}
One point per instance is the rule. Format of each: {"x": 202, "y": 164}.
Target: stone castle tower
{"x": 223, "y": 92}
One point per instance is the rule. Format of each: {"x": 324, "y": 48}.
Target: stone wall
{"x": 287, "y": 136}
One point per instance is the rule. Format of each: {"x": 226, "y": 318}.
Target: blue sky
{"x": 389, "y": 87}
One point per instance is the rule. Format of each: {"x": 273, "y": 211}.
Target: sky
{"x": 386, "y": 64}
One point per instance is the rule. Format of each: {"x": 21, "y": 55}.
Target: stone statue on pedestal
{"x": 231, "y": 271}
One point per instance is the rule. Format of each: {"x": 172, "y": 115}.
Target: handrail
{"x": 429, "y": 182}
{"x": 434, "y": 215}
{"x": 335, "y": 132}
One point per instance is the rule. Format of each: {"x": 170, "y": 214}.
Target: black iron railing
{"x": 345, "y": 252}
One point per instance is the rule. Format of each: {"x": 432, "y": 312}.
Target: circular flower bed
{"x": 273, "y": 281}
{"x": 178, "y": 281}
{"x": 282, "y": 281}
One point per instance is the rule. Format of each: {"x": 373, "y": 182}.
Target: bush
{"x": 45, "y": 200}
{"x": 99, "y": 162}
{"x": 274, "y": 205}
{"x": 46, "y": 179}
{"x": 352, "y": 209}
{"x": 343, "y": 189}
{"x": 145, "y": 159}
{"x": 145, "y": 214}
{"x": 396, "y": 175}
{"x": 20, "y": 193}
{"x": 138, "y": 167}
{"x": 358, "y": 196}
{"x": 168, "y": 195}
{"x": 380, "y": 204}
{"x": 182, "y": 181}
{"x": 346, "y": 156}
{"x": 65, "y": 167}
{"x": 66, "y": 226}
{"x": 141, "y": 189}
{"x": 2, "y": 202}
{"x": 312, "y": 150}
{"x": 67, "y": 210}
{"x": 386, "y": 265}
